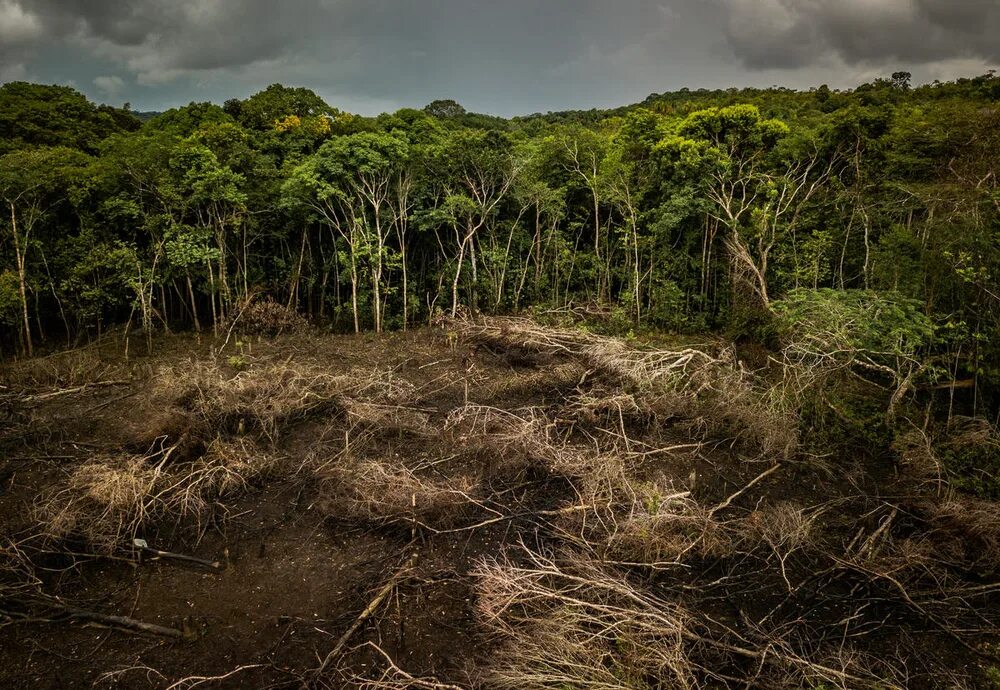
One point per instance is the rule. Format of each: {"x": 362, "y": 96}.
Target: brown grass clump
{"x": 262, "y": 397}
{"x": 515, "y": 439}
{"x": 603, "y": 407}
{"x": 388, "y": 417}
{"x": 386, "y": 492}
{"x": 226, "y": 469}
{"x": 110, "y": 501}
{"x": 524, "y": 383}
{"x": 580, "y": 627}
{"x": 268, "y": 395}
{"x": 106, "y": 502}
{"x": 666, "y": 528}
{"x": 968, "y": 531}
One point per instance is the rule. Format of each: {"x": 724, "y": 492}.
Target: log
{"x": 125, "y": 623}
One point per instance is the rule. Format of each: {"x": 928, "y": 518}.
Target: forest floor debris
{"x": 488, "y": 504}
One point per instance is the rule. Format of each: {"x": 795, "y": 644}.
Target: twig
{"x": 870, "y": 546}
{"x": 198, "y": 680}
{"x": 75, "y": 389}
{"x": 412, "y": 681}
{"x": 362, "y": 617}
{"x": 214, "y": 565}
{"x": 119, "y": 622}
{"x": 756, "y": 480}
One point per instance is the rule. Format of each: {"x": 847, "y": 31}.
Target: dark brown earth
{"x": 297, "y": 573}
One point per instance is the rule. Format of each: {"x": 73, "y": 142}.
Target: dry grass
{"x": 611, "y": 356}
{"x": 651, "y": 588}
{"x": 968, "y": 530}
{"x": 388, "y": 417}
{"x": 106, "y": 502}
{"x": 17, "y": 572}
{"x": 576, "y": 623}
{"x": 112, "y": 500}
{"x": 65, "y": 369}
{"x": 580, "y": 627}
{"x": 269, "y": 395}
{"x": 714, "y": 392}
{"x": 386, "y": 492}
{"x": 666, "y": 529}
{"x": 515, "y": 440}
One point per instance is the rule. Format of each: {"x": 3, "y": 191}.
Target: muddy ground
{"x": 297, "y": 567}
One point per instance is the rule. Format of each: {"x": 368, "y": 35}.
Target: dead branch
{"x": 362, "y": 617}
{"x": 396, "y": 678}
{"x": 756, "y": 480}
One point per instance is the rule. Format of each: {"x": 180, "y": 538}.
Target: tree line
{"x": 692, "y": 211}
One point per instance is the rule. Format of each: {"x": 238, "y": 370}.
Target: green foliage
{"x": 445, "y": 108}
{"x": 188, "y": 119}
{"x": 882, "y": 324}
{"x": 992, "y": 674}
{"x": 845, "y": 419}
{"x": 37, "y": 115}
{"x": 969, "y": 453}
{"x": 262, "y": 110}
{"x": 10, "y": 298}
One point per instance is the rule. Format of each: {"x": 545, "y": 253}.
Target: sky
{"x": 505, "y": 57}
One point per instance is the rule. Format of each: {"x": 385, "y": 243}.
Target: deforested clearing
{"x": 483, "y": 503}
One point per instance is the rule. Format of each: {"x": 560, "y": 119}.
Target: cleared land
{"x": 481, "y": 504}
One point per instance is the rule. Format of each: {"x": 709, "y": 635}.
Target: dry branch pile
{"x": 110, "y": 501}
{"x": 575, "y": 622}
{"x": 386, "y": 492}
{"x": 712, "y": 391}
{"x": 266, "y": 317}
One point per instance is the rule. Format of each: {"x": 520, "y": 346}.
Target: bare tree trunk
{"x": 458, "y": 274}
{"x": 293, "y": 287}
{"x": 354, "y": 289}
{"x": 19, "y": 254}
{"x": 194, "y": 304}
{"x": 215, "y": 313}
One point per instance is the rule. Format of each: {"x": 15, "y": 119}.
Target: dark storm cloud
{"x": 502, "y": 56}
{"x": 794, "y": 33}
{"x": 208, "y": 34}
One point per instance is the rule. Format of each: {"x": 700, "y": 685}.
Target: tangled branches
{"x": 574, "y": 622}
{"x": 110, "y": 501}
{"x": 713, "y": 392}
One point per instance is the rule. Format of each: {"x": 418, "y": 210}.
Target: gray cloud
{"x": 505, "y": 57}
{"x": 795, "y": 33}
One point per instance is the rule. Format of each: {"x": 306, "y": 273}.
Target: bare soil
{"x": 304, "y": 549}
